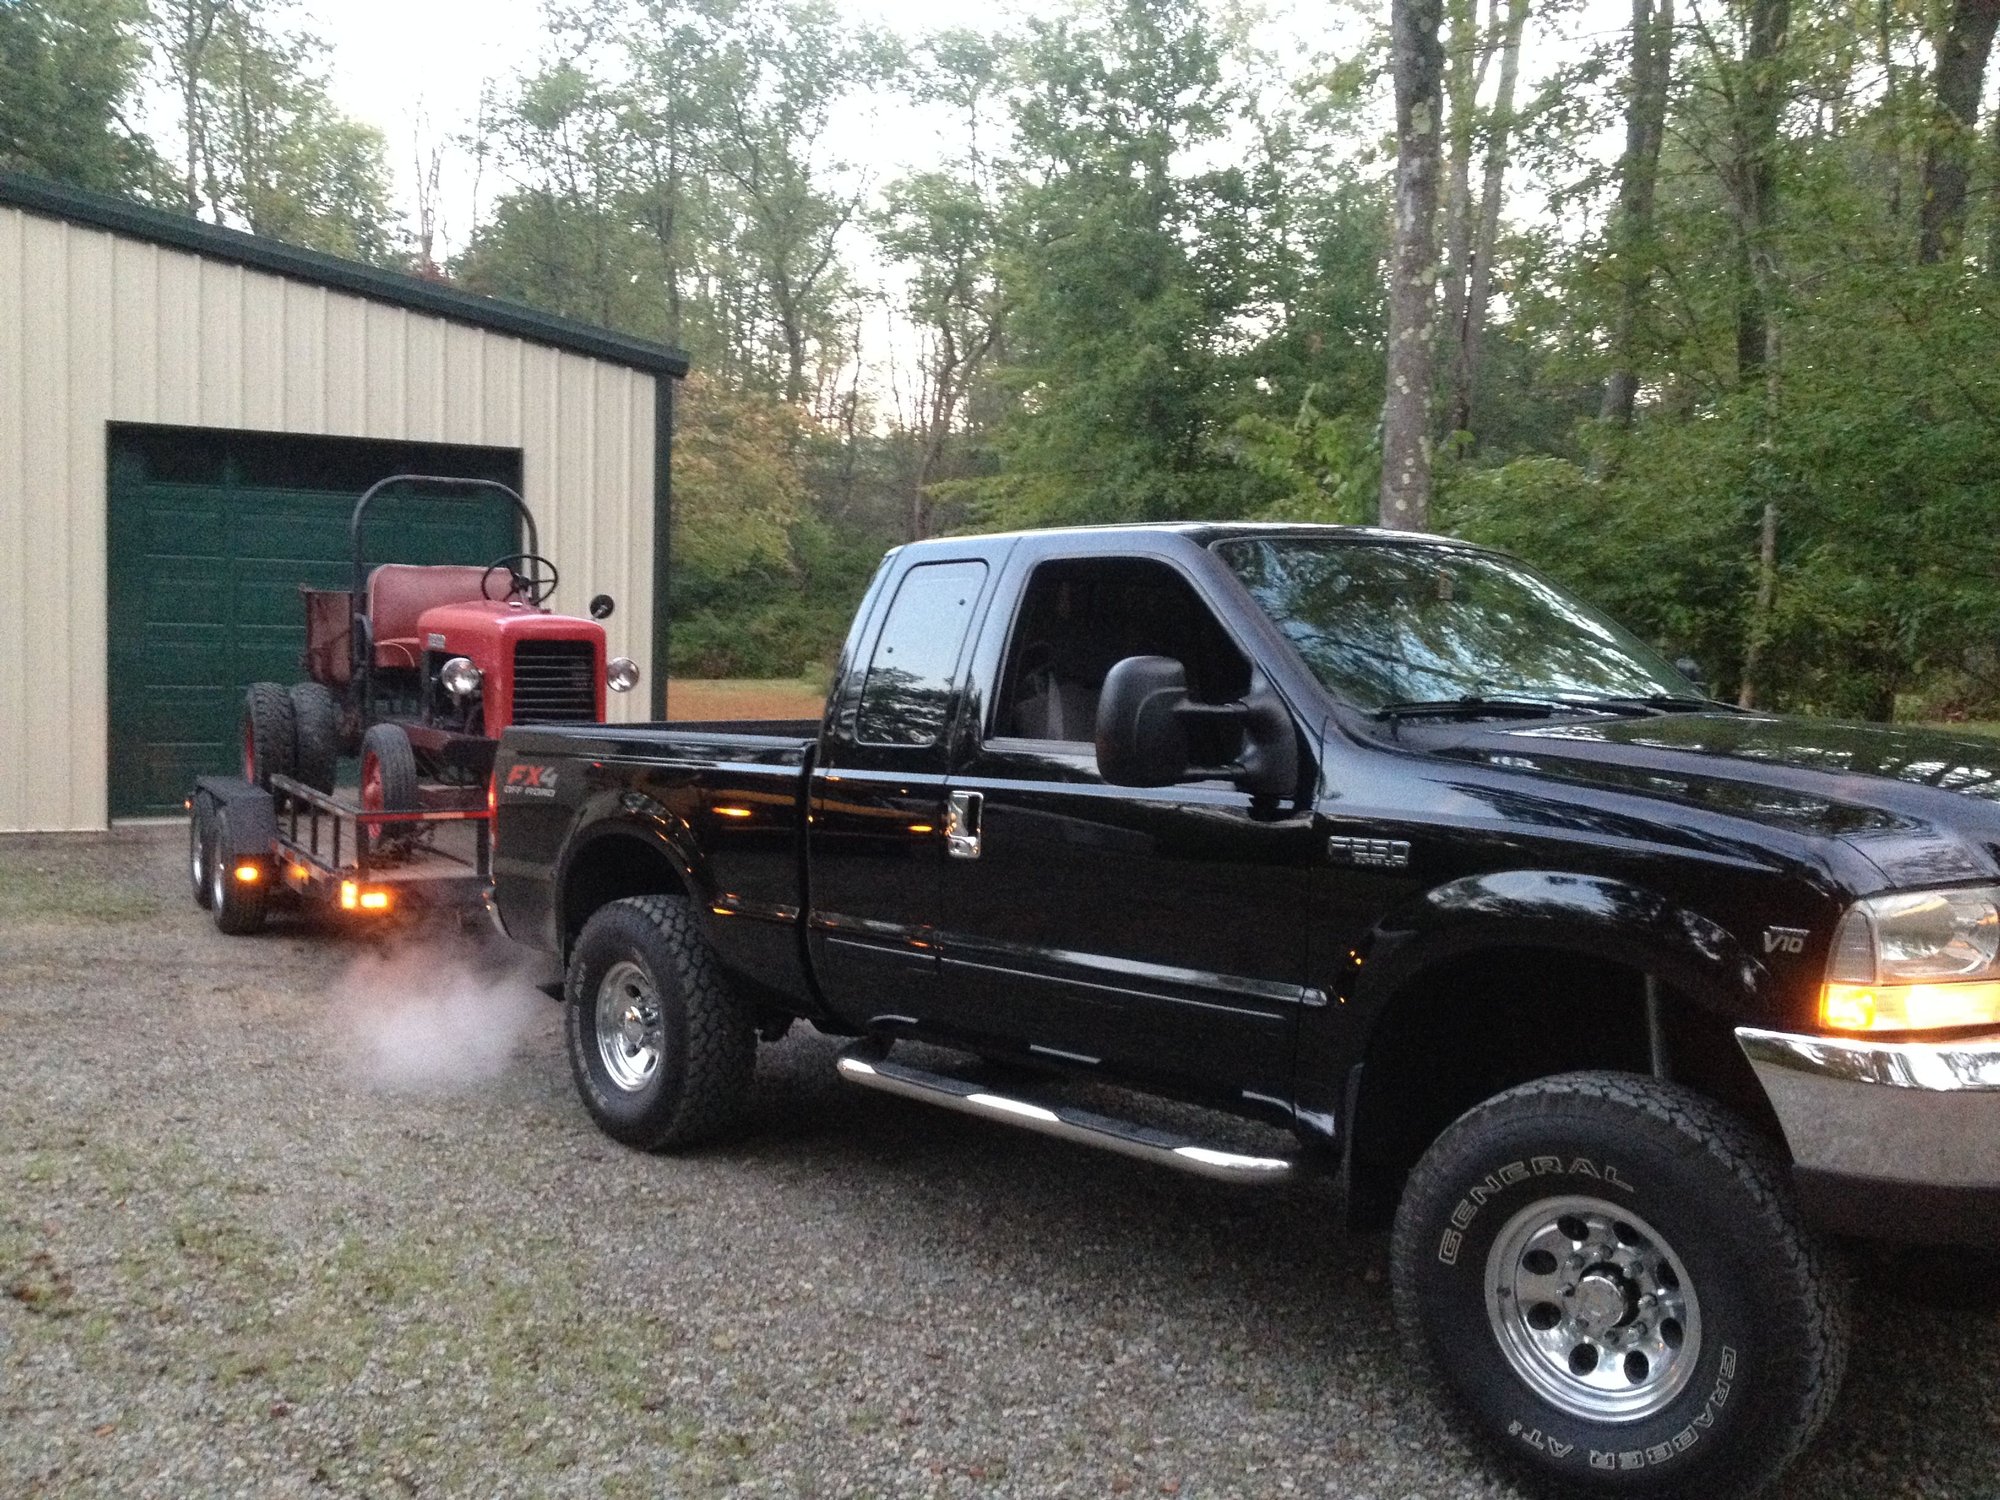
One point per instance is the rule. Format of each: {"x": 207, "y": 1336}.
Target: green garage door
{"x": 211, "y": 535}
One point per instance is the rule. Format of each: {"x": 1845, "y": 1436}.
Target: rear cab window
{"x": 908, "y": 692}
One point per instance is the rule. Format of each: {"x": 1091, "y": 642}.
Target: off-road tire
{"x": 697, "y": 1089}
{"x": 1773, "y": 1296}
{"x": 269, "y": 742}
{"x": 316, "y": 734}
{"x": 201, "y": 850}
{"x": 389, "y": 777}
{"x": 238, "y": 908}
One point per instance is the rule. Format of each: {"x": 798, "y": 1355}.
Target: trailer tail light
{"x": 249, "y": 874}
{"x": 356, "y": 897}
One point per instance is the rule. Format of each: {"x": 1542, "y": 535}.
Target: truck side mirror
{"x": 1689, "y": 668}
{"x": 1140, "y": 738}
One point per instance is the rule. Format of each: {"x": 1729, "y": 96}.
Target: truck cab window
{"x": 907, "y": 693}
{"x": 1081, "y": 616}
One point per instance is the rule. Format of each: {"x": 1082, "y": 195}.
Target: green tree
{"x": 70, "y": 76}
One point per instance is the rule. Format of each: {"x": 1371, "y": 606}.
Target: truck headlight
{"x": 621, "y": 674}
{"x": 1915, "y": 961}
{"x": 460, "y": 676}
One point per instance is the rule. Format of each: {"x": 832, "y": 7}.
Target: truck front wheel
{"x": 661, "y": 1051}
{"x": 1608, "y": 1275}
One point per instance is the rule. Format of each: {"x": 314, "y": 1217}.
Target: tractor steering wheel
{"x": 530, "y": 576}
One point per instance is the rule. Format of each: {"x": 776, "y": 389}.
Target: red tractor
{"x": 415, "y": 670}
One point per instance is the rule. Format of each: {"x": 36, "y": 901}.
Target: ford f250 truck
{"x": 1620, "y": 1006}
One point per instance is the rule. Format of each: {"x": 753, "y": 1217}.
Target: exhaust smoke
{"x": 433, "y": 1014}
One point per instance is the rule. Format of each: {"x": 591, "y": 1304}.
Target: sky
{"x": 415, "y": 68}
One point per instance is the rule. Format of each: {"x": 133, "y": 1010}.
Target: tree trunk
{"x": 1418, "y": 65}
{"x": 1470, "y": 332}
{"x": 1959, "y": 80}
{"x": 1993, "y": 197}
{"x": 1461, "y": 95}
{"x": 1638, "y": 176}
{"x": 1753, "y": 177}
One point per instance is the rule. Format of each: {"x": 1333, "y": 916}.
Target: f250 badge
{"x": 1373, "y": 854}
{"x": 1784, "y": 940}
{"x": 525, "y": 780}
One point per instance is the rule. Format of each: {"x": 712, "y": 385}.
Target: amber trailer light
{"x": 354, "y": 897}
{"x": 249, "y": 874}
{"x": 1909, "y": 1007}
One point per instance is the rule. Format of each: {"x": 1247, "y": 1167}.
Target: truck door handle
{"x": 961, "y": 824}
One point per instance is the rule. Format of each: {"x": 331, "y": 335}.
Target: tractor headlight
{"x": 1915, "y": 961}
{"x": 621, "y": 674}
{"x": 460, "y": 677}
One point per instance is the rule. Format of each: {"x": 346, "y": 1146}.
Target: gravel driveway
{"x": 296, "y": 1215}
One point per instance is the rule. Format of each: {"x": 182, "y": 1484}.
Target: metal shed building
{"x": 187, "y": 414}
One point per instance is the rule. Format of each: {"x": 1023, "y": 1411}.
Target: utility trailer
{"x": 251, "y": 848}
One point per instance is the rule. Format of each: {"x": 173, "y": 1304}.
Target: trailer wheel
{"x": 237, "y": 905}
{"x": 388, "y": 776}
{"x": 662, "y": 1052}
{"x": 269, "y": 747}
{"x": 316, "y": 723}
{"x": 201, "y": 850}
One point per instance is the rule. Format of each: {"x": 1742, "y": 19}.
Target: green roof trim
{"x": 180, "y": 232}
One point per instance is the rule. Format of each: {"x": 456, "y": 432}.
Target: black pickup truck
{"x": 1622, "y": 1007}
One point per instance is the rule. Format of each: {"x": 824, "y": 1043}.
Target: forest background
{"x": 1701, "y": 312}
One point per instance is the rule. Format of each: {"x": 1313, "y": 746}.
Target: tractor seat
{"x": 398, "y": 595}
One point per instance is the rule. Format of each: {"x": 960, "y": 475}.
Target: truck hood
{"x": 1922, "y": 805}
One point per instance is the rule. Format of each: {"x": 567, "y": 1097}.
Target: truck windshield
{"x": 1391, "y": 625}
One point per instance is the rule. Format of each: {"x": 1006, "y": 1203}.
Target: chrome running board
{"x": 866, "y": 1065}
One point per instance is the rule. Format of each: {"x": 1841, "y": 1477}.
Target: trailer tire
{"x": 661, "y": 1050}
{"x": 237, "y": 906}
{"x": 269, "y": 743}
{"x": 1608, "y": 1275}
{"x": 388, "y": 777}
{"x": 201, "y": 850}
{"x": 316, "y": 725}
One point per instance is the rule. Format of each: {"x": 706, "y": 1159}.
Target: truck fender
{"x": 1584, "y": 914}
{"x": 628, "y": 817}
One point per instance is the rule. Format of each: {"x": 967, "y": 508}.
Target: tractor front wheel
{"x": 388, "y": 777}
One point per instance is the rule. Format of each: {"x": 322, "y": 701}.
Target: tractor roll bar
{"x": 360, "y": 647}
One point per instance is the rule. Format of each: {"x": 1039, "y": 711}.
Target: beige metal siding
{"x": 96, "y": 329}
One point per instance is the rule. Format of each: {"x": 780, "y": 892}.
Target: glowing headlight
{"x": 460, "y": 676}
{"x": 621, "y": 674}
{"x": 1915, "y": 961}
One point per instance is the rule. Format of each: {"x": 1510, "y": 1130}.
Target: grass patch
{"x": 33, "y": 893}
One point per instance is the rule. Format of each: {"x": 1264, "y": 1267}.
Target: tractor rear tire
{"x": 269, "y": 734}
{"x": 316, "y": 720}
{"x": 388, "y": 777}
{"x": 237, "y": 905}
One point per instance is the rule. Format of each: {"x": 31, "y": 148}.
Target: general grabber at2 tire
{"x": 661, "y": 1051}
{"x": 1609, "y": 1276}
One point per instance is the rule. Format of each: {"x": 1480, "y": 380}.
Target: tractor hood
{"x": 1923, "y": 806}
{"x": 535, "y": 668}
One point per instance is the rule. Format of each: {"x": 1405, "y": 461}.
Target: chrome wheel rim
{"x": 218, "y": 883}
{"x": 1593, "y": 1309}
{"x": 630, "y": 1033}
{"x": 197, "y": 870}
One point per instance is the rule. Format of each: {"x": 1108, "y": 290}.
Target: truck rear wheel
{"x": 1608, "y": 1274}
{"x": 316, "y": 724}
{"x": 269, "y": 747}
{"x": 237, "y": 905}
{"x": 661, "y": 1051}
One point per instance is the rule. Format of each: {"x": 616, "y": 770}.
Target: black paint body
{"x": 1193, "y": 940}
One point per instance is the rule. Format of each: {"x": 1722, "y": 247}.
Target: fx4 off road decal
{"x": 1518, "y": 1171}
{"x": 525, "y": 780}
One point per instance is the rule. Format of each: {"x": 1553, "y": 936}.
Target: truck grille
{"x": 555, "y": 682}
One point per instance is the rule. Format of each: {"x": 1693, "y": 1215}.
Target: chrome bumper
{"x": 1891, "y": 1139}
